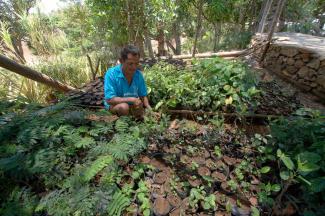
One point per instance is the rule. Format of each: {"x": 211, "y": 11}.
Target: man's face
{"x": 130, "y": 64}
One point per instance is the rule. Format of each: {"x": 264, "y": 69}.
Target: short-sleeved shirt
{"x": 116, "y": 85}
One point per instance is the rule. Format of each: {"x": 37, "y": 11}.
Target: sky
{"x": 46, "y": 6}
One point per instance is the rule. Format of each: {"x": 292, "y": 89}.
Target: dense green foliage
{"x": 57, "y": 151}
{"x": 296, "y": 150}
{"x": 301, "y": 150}
{"x": 212, "y": 84}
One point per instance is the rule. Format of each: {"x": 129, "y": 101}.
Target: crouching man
{"x": 125, "y": 90}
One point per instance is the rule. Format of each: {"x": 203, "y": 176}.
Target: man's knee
{"x": 121, "y": 109}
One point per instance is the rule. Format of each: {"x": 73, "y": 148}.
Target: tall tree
{"x": 12, "y": 32}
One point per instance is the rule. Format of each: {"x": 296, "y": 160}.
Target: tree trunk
{"x": 32, "y": 74}
{"x": 161, "y": 40}
{"x": 148, "y": 44}
{"x": 216, "y": 39}
{"x": 170, "y": 45}
{"x": 177, "y": 37}
{"x": 198, "y": 27}
{"x": 266, "y": 11}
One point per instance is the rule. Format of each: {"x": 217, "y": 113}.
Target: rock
{"x": 303, "y": 72}
{"x": 314, "y": 64}
{"x": 219, "y": 176}
{"x": 160, "y": 178}
{"x": 321, "y": 81}
{"x": 204, "y": 171}
{"x": 230, "y": 161}
{"x": 313, "y": 78}
{"x": 322, "y": 63}
{"x": 211, "y": 164}
{"x": 305, "y": 57}
{"x": 174, "y": 200}
{"x": 280, "y": 60}
{"x": 199, "y": 160}
{"x": 144, "y": 159}
{"x": 290, "y": 61}
{"x": 194, "y": 182}
{"x": 274, "y": 53}
{"x": 185, "y": 204}
{"x": 161, "y": 206}
{"x": 304, "y": 84}
{"x": 236, "y": 211}
{"x": 186, "y": 159}
{"x": 289, "y": 51}
{"x": 321, "y": 71}
{"x": 291, "y": 69}
{"x": 220, "y": 165}
{"x": 220, "y": 213}
{"x": 275, "y": 68}
{"x": 313, "y": 84}
{"x": 176, "y": 212}
{"x": 299, "y": 64}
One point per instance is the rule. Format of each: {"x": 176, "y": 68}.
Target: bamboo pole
{"x": 276, "y": 17}
{"x": 208, "y": 55}
{"x": 33, "y": 74}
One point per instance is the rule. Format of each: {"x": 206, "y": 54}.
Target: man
{"x": 125, "y": 91}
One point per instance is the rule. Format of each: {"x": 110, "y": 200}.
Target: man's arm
{"x": 145, "y": 102}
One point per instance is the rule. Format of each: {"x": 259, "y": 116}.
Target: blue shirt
{"x": 116, "y": 85}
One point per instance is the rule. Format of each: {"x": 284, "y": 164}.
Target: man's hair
{"x": 129, "y": 49}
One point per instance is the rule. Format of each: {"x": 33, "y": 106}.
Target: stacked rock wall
{"x": 300, "y": 66}
{"x": 298, "y": 58}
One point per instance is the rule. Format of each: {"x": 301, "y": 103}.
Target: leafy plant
{"x": 198, "y": 195}
{"x": 118, "y": 204}
{"x": 226, "y": 85}
{"x": 143, "y": 197}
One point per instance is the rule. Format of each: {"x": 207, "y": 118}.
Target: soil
{"x": 194, "y": 165}
{"x": 278, "y": 87}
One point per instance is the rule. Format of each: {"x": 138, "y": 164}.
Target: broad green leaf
{"x": 265, "y": 169}
{"x": 228, "y": 100}
{"x": 284, "y": 175}
{"x": 309, "y": 157}
{"x": 227, "y": 87}
{"x": 318, "y": 184}
{"x": 276, "y": 187}
{"x": 279, "y": 153}
{"x": 159, "y": 104}
{"x": 306, "y": 168}
{"x": 285, "y": 159}
{"x": 255, "y": 211}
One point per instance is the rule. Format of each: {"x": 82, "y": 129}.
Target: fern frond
{"x": 97, "y": 166}
{"x": 122, "y": 125}
{"x": 100, "y": 129}
{"x": 20, "y": 202}
{"x": 118, "y": 204}
{"x": 85, "y": 142}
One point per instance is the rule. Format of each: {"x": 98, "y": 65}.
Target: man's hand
{"x": 137, "y": 102}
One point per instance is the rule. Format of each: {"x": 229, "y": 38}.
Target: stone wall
{"x": 299, "y": 62}
{"x": 300, "y": 66}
